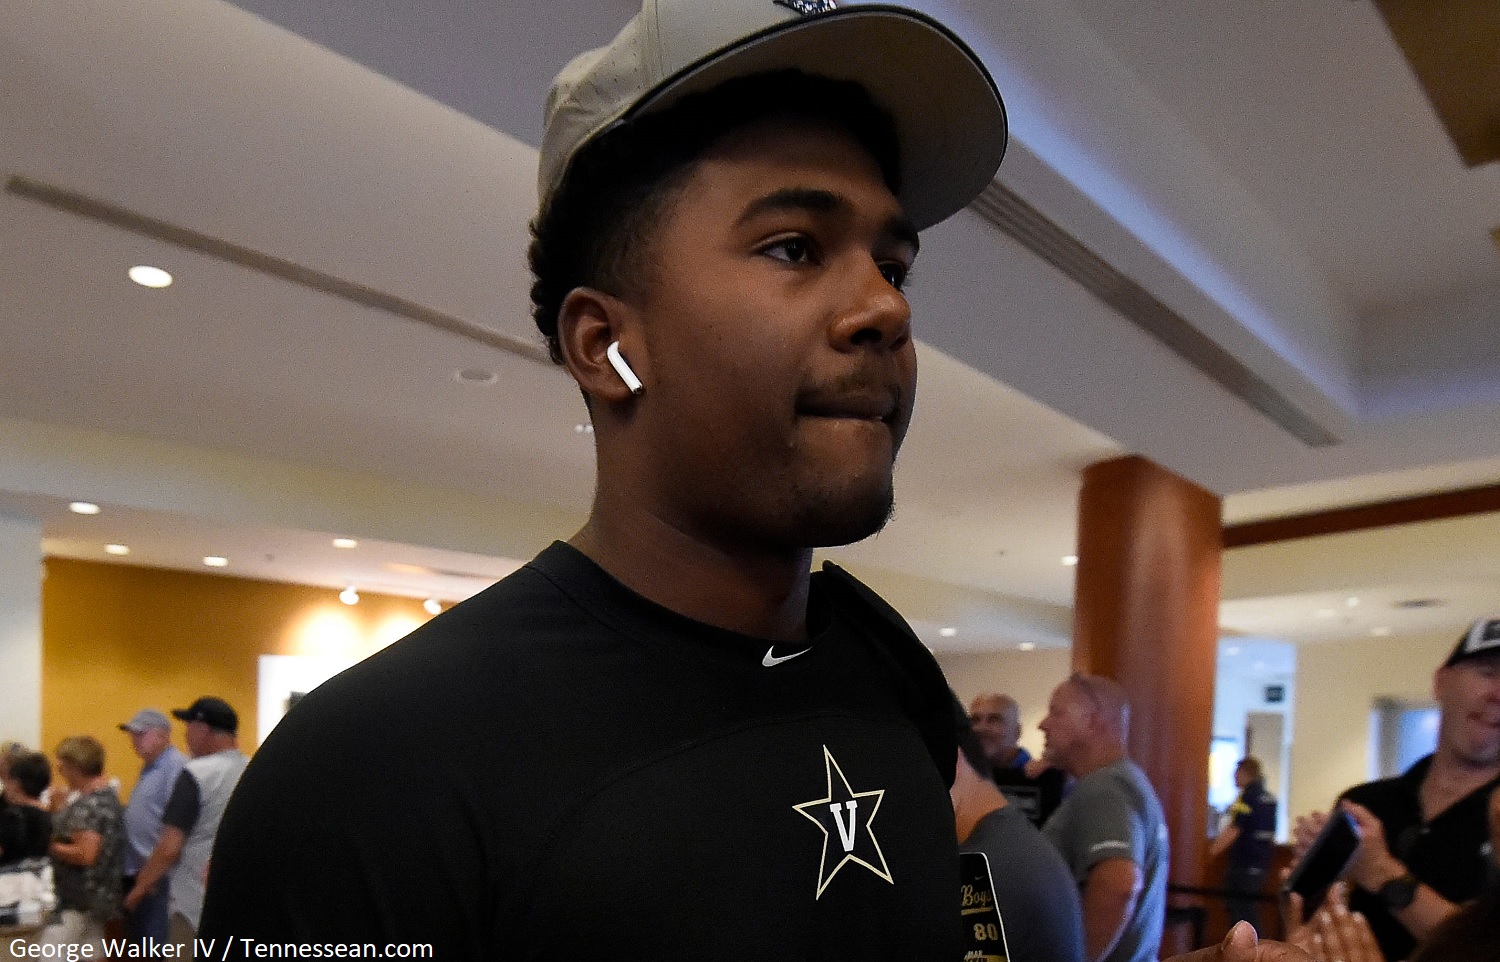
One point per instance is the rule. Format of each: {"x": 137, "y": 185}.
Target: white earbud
{"x": 621, "y": 368}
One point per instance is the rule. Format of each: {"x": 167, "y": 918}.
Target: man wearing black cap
{"x": 666, "y": 739}
{"x": 1424, "y": 833}
{"x": 192, "y": 814}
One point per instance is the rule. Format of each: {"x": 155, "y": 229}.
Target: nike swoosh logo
{"x": 771, "y": 661}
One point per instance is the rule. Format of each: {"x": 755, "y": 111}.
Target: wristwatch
{"x": 1399, "y": 892}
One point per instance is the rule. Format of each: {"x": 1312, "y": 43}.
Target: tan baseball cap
{"x": 950, "y": 120}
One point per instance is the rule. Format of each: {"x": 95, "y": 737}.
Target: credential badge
{"x": 808, "y": 7}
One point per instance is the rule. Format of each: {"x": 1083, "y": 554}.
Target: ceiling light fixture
{"x": 215, "y": 561}
{"x": 947, "y": 632}
{"x": 1070, "y": 560}
{"x": 345, "y": 543}
{"x": 1380, "y": 632}
{"x": 148, "y": 276}
{"x": 83, "y": 507}
{"x": 349, "y": 596}
{"x": 119, "y": 549}
{"x": 477, "y": 376}
{"x": 583, "y": 429}
{"x": 1027, "y": 646}
{"x": 432, "y": 606}
{"x": 1351, "y": 602}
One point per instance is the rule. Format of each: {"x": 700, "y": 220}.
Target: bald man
{"x": 1110, "y": 830}
{"x": 996, "y": 722}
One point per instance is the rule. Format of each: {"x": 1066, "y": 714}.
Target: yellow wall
{"x": 116, "y": 638}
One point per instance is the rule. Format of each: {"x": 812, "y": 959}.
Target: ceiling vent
{"x": 1028, "y": 226}
{"x": 1414, "y": 604}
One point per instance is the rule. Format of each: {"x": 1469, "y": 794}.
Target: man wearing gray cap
{"x": 190, "y": 819}
{"x": 667, "y": 739}
{"x": 151, "y": 737}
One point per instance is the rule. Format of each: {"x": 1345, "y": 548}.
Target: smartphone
{"x": 1324, "y": 862}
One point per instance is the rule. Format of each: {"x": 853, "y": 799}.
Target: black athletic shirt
{"x": 561, "y": 769}
{"x": 1449, "y": 854}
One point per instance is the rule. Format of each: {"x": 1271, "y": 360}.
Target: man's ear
{"x": 587, "y": 324}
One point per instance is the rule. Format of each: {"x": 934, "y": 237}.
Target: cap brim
{"x": 950, "y": 120}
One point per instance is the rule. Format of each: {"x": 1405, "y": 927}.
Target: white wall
{"x": 20, "y": 631}
{"x": 1026, "y": 676}
{"x": 1337, "y": 684}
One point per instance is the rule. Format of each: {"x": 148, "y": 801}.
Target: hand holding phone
{"x": 1324, "y": 861}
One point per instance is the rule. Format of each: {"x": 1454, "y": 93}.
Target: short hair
{"x": 84, "y": 753}
{"x": 32, "y": 772}
{"x": 597, "y": 228}
{"x": 1252, "y": 765}
{"x": 968, "y": 742}
{"x": 1108, "y": 696}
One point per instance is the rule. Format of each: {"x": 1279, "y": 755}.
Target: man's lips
{"x": 872, "y": 405}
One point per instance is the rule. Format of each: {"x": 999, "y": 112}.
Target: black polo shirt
{"x": 1448, "y": 854}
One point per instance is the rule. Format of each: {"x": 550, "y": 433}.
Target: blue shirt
{"x": 147, "y": 802}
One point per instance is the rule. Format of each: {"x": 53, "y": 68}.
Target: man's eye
{"x": 895, "y": 274}
{"x": 793, "y": 250}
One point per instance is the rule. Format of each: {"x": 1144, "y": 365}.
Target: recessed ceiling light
{"x": 116, "y": 549}
{"x": 345, "y": 543}
{"x": 583, "y": 429}
{"x": 1027, "y": 646}
{"x": 1070, "y": 560}
{"x": 349, "y": 596}
{"x": 1380, "y": 632}
{"x": 83, "y": 507}
{"x": 475, "y": 375}
{"x": 1352, "y": 602}
{"x": 433, "y": 606}
{"x": 947, "y": 632}
{"x": 215, "y": 561}
{"x": 148, "y": 276}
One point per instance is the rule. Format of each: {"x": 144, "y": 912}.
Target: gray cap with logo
{"x": 949, "y": 118}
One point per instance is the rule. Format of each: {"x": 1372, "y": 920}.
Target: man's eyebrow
{"x": 818, "y": 201}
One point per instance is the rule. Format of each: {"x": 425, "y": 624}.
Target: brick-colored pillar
{"x": 1146, "y": 613}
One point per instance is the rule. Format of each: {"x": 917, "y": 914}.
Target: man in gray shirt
{"x": 1110, "y": 830}
{"x": 1034, "y": 892}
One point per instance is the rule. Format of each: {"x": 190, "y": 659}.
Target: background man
{"x": 192, "y": 814}
{"x": 1424, "y": 832}
{"x": 1110, "y": 829}
{"x": 1248, "y": 837}
{"x": 1035, "y": 894}
{"x": 151, "y": 737}
{"x": 997, "y": 723}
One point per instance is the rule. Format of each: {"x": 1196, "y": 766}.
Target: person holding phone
{"x": 1424, "y": 834}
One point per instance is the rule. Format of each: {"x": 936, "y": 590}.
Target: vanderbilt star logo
{"x": 845, "y": 817}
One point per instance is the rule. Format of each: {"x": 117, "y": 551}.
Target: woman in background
{"x": 88, "y": 847}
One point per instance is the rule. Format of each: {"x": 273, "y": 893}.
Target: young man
{"x": 1425, "y": 838}
{"x": 1110, "y": 830}
{"x": 665, "y": 739}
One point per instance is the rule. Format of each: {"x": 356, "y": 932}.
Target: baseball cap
{"x": 214, "y": 712}
{"x": 949, "y": 118}
{"x": 144, "y": 719}
{"x": 1482, "y": 638}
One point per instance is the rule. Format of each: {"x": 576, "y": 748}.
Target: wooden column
{"x": 1146, "y": 613}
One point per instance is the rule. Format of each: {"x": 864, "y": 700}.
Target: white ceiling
{"x": 1304, "y": 211}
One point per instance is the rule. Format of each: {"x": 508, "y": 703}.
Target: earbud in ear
{"x": 621, "y": 368}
